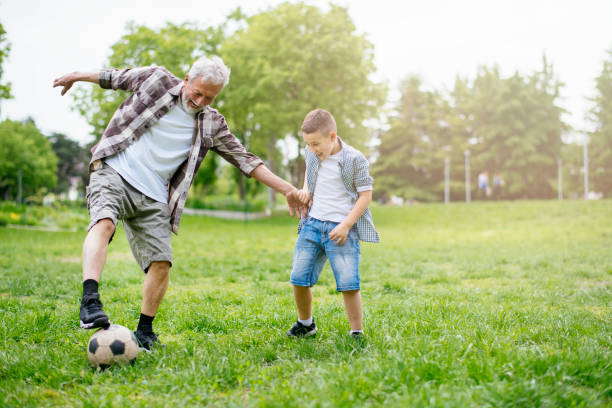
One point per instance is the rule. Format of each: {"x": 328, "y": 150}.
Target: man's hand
{"x": 66, "y": 81}
{"x": 296, "y": 206}
{"x": 339, "y": 234}
{"x": 69, "y": 79}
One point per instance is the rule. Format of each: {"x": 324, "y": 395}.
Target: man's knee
{"x": 159, "y": 268}
{"x": 105, "y": 227}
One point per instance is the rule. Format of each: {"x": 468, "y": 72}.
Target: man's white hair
{"x": 211, "y": 69}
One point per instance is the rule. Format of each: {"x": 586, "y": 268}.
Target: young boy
{"x": 338, "y": 189}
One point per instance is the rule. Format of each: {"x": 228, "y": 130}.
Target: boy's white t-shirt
{"x": 331, "y": 201}
{"x": 150, "y": 161}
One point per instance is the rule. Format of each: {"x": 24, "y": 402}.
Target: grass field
{"x": 488, "y": 304}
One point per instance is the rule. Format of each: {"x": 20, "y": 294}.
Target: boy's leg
{"x": 303, "y": 301}
{"x": 344, "y": 262}
{"x": 352, "y": 304}
{"x": 305, "y": 326}
{"x": 308, "y": 261}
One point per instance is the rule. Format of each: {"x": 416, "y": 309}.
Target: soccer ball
{"x": 115, "y": 345}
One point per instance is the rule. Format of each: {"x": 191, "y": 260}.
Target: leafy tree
{"x": 511, "y": 126}
{"x": 72, "y": 161}
{"x": 516, "y": 130}
{"x": 5, "y": 47}
{"x": 600, "y": 146}
{"x": 289, "y": 60}
{"x": 24, "y": 148}
{"x": 411, "y": 154}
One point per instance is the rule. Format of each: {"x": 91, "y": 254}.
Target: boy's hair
{"x": 319, "y": 120}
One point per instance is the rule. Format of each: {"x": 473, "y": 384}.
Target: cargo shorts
{"x": 146, "y": 221}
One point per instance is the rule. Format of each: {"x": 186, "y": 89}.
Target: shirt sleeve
{"x": 229, "y": 147}
{"x": 124, "y": 79}
{"x": 363, "y": 180}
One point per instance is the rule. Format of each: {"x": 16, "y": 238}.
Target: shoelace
{"x": 92, "y": 303}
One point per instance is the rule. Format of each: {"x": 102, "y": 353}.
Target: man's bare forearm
{"x": 263, "y": 174}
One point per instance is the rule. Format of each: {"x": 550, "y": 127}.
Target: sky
{"x": 435, "y": 39}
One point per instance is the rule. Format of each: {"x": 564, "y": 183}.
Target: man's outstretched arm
{"x": 69, "y": 79}
{"x": 263, "y": 174}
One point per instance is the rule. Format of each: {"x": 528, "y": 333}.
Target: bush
{"x": 57, "y": 215}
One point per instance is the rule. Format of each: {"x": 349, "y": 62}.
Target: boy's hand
{"x": 339, "y": 234}
{"x": 304, "y": 196}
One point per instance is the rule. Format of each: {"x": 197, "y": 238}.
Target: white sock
{"x": 306, "y": 322}
{"x": 356, "y": 331}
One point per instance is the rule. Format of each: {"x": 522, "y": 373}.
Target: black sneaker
{"x": 92, "y": 315}
{"x": 299, "y": 330}
{"x": 147, "y": 340}
{"x": 357, "y": 335}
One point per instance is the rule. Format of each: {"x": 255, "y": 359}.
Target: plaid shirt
{"x": 354, "y": 168}
{"x": 155, "y": 92}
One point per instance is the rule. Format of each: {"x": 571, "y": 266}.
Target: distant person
{"x": 143, "y": 166}
{"x": 483, "y": 184}
{"x": 498, "y": 184}
{"x": 338, "y": 189}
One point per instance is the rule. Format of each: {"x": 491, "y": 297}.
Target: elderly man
{"x": 143, "y": 166}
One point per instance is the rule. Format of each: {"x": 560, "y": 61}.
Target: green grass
{"x": 494, "y": 304}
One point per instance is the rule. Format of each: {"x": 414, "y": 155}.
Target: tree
{"x": 5, "y": 47}
{"x": 72, "y": 161}
{"x": 515, "y": 130}
{"x": 23, "y": 148}
{"x": 600, "y": 146}
{"x": 511, "y": 126}
{"x": 410, "y": 163}
{"x": 290, "y": 60}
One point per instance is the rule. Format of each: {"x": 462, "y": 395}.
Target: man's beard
{"x": 186, "y": 107}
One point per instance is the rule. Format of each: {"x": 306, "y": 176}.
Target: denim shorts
{"x": 313, "y": 248}
{"x": 146, "y": 221}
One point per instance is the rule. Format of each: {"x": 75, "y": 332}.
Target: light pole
{"x": 468, "y": 191}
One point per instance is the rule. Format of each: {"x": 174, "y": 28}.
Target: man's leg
{"x": 94, "y": 257}
{"x": 155, "y": 285}
{"x": 352, "y": 304}
{"x": 95, "y": 247}
{"x": 153, "y": 291}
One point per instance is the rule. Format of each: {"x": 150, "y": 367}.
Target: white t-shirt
{"x": 149, "y": 163}
{"x": 331, "y": 201}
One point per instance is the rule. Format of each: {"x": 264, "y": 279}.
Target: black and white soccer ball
{"x": 115, "y": 345}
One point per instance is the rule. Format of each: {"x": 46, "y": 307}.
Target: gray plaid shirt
{"x": 354, "y": 168}
{"x": 155, "y": 92}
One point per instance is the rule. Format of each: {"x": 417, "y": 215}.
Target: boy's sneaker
{"x": 91, "y": 314}
{"x": 357, "y": 335}
{"x": 147, "y": 340}
{"x": 299, "y": 330}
